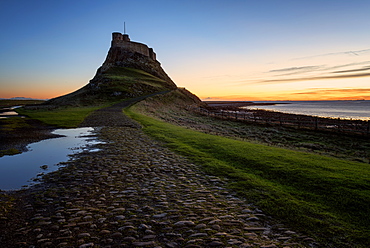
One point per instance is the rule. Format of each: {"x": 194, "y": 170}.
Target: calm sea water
{"x": 335, "y": 109}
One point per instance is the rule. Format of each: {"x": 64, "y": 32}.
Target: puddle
{"x": 42, "y": 157}
{"x": 9, "y": 112}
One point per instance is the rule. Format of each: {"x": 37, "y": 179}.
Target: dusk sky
{"x": 218, "y": 49}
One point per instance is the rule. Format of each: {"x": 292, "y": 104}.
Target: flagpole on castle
{"x": 124, "y": 27}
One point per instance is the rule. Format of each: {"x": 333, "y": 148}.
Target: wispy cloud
{"x": 321, "y": 68}
{"x": 315, "y": 72}
{"x": 348, "y": 65}
{"x": 319, "y": 91}
{"x": 349, "y": 53}
{"x": 285, "y": 80}
{"x": 312, "y": 93}
{"x": 366, "y": 68}
{"x": 297, "y": 70}
{"x": 334, "y": 94}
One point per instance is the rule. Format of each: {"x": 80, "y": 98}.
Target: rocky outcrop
{"x": 126, "y": 73}
{"x": 121, "y": 57}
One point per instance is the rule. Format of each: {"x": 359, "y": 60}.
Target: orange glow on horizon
{"x": 35, "y": 94}
{"x": 309, "y": 95}
{"x": 251, "y": 99}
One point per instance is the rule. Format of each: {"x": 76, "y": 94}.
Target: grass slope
{"x": 115, "y": 84}
{"x": 129, "y": 82}
{"x": 66, "y": 117}
{"x": 112, "y": 86}
{"x": 321, "y": 196}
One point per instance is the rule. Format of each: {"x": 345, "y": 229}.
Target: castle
{"x": 123, "y": 41}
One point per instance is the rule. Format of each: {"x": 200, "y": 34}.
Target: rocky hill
{"x": 111, "y": 85}
{"x": 126, "y": 73}
{"x": 121, "y": 57}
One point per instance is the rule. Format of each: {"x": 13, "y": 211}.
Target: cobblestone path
{"x": 136, "y": 193}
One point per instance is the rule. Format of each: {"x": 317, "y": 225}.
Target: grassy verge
{"x": 11, "y": 151}
{"x": 172, "y": 107}
{"x": 12, "y": 124}
{"x": 67, "y": 117}
{"x": 318, "y": 195}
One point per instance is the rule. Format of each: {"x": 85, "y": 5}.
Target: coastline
{"x": 334, "y": 109}
{"x": 238, "y": 111}
{"x": 343, "y": 109}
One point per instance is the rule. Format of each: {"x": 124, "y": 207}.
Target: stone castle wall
{"x": 123, "y": 41}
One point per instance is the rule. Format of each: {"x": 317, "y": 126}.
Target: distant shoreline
{"x": 237, "y": 110}
{"x": 335, "y": 109}
{"x": 238, "y": 104}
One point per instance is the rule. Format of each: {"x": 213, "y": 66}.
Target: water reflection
{"x": 8, "y": 112}
{"x": 43, "y": 157}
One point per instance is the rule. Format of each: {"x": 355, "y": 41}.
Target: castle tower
{"x": 126, "y": 53}
{"x": 123, "y": 41}
{"x": 125, "y": 37}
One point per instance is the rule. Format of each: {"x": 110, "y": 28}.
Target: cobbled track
{"x": 136, "y": 193}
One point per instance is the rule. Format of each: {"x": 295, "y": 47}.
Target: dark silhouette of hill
{"x": 111, "y": 85}
{"x": 130, "y": 70}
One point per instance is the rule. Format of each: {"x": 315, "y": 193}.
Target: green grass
{"x": 115, "y": 84}
{"x": 131, "y": 76}
{"x": 13, "y": 123}
{"x": 318, "y": 195}
{"x": 67, "y": 117}
{"x": 11, "y": 151}
{"x": 131, "y": 73}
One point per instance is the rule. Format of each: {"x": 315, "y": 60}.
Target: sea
{"x": 357, "y": 109}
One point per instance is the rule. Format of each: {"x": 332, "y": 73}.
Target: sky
{"x": 244, "y": 50}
